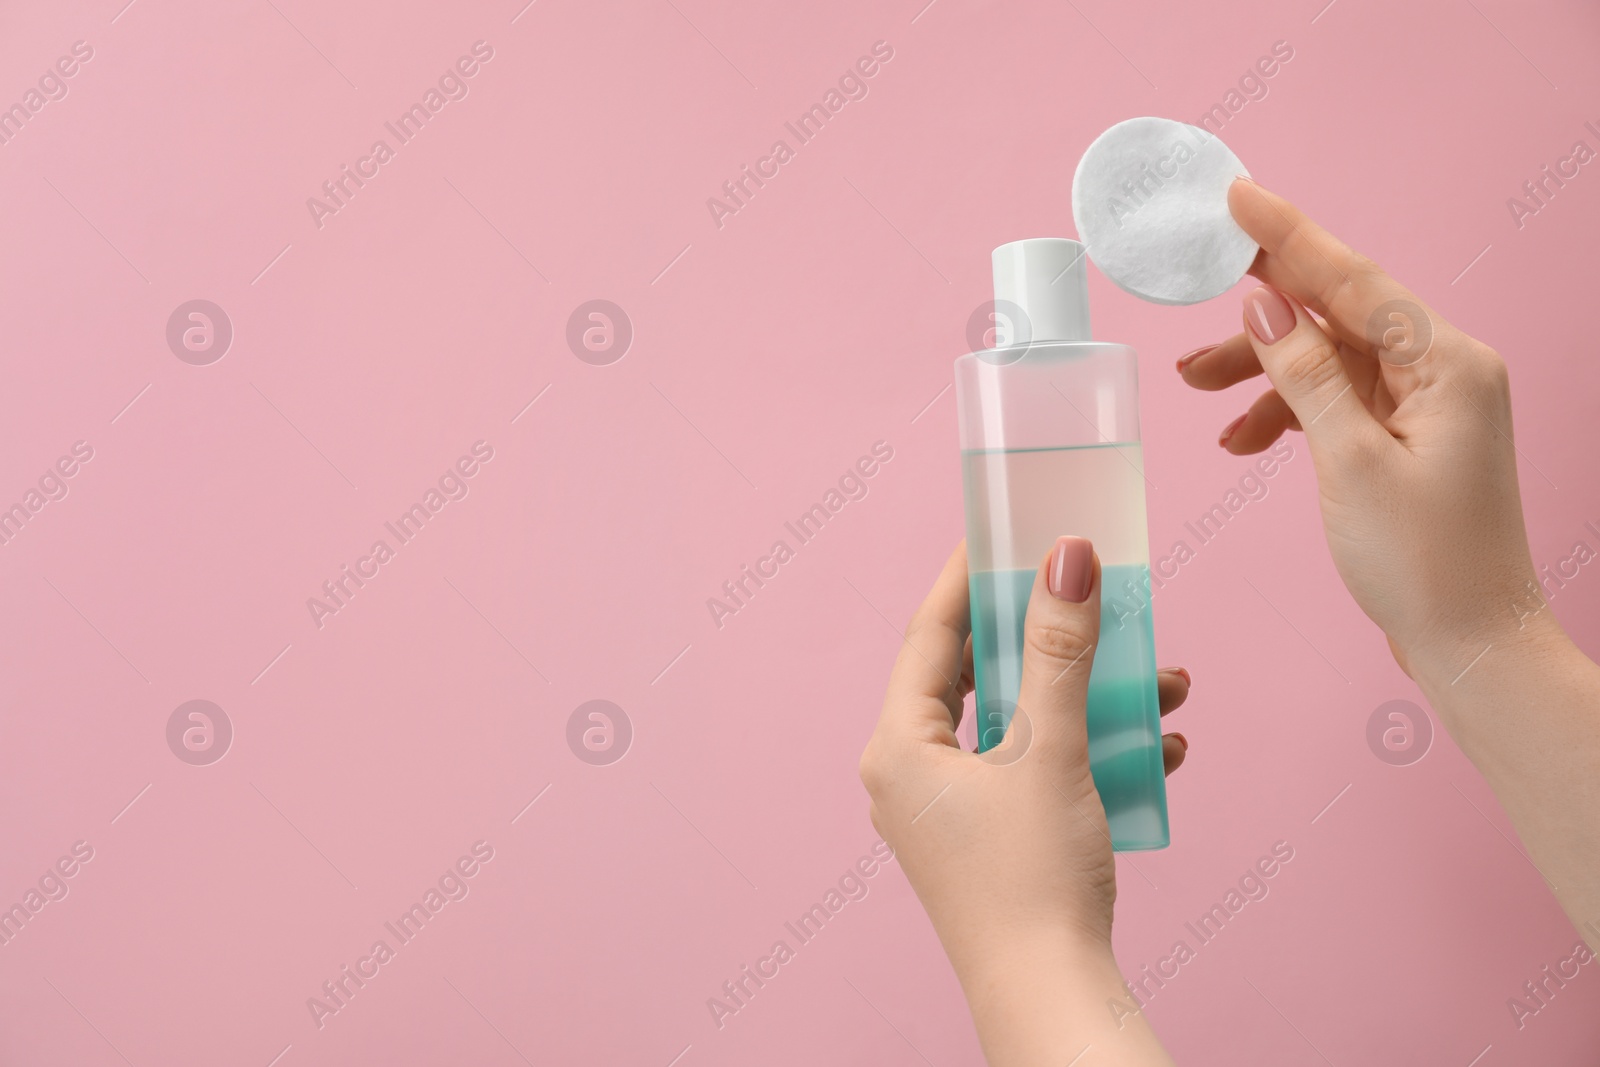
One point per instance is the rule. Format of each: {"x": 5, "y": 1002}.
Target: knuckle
{"x": 871, "y": 770}
{"x": 1365, "y": 278}
{"x": 1353, "y": 273}
{"x": 1487, "y": 384}
{"x": 919, "y": 620}
{"x": 1363, "y": 271}
{"x": 1057, "y": 641}
{"x": 1312, "y": 366}
{"x": 1492, "y": 367}
{"x": 882, "y": 767}
{"x": 922, "y": 622}
{"x": 880, "y": 824}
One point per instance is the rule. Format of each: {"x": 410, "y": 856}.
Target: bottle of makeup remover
{"x": 1049, "y": 446}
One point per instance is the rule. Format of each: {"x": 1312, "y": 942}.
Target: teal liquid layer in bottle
{"x": 1123, "y": 715}
{"x": 1049, "y": 429}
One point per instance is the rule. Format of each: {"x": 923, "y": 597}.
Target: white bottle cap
{"x": 1043, "y": 284}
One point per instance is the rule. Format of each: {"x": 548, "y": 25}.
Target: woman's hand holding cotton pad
{"x": 1150, "y": 200}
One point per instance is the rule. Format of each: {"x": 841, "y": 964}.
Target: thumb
{"x": 1059, "y": 638}
{"x": 1304, "y": 366}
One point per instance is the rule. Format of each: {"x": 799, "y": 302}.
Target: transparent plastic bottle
{"x": 1049, "y": 424}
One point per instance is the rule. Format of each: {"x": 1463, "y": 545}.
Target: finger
{"x": 1256, "y": 429}
{"x": 1353, "y": 293}
{"x": 1271, "y": 270}
{"x": 968, "y": 678}
{"x": 1305, "y": 369}
{"x": 1174, "y": 747}
{"x": 927, "y": 673}
{"x": 1226, "y": 364}
{"x": 964, "y": 686}
{"x": 1172, "y": 688}
{"x": 1059, "y": 636}
{"x": 1221, "y": 365}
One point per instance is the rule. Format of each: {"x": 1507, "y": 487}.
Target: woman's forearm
{"x": 1527, "y": 713}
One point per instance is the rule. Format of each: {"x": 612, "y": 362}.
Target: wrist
{"x": 1027, "y": 950}
{"x": 1047, "y": 998}
{"x": 1523, "y": 632}
{"x": 1485, "y": 667}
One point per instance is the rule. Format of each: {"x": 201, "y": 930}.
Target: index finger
{"x": 923, "y": 685}
{"x": 1325, "y": 274}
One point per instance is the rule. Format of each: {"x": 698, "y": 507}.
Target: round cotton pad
{"x": 1150, "y": 200}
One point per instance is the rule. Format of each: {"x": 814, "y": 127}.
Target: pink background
{"x": 768, "y": 355}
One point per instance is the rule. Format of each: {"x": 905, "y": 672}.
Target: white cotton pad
{"x": 1150, "y": 200}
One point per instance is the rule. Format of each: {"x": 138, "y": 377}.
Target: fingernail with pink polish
{"x": 1190, "y": 357}
{"x": 1269, "y": 314}
{"x": 1071, "y": 569}
{"x": 1230, "y": 429}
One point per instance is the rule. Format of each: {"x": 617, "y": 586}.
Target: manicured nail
{"x": 1269, "y": 314}
{"x": 1181, "y": 672}
{"x": 1071, "y": 569}
{"x": 1184, "y": 741}
{"x": 1230, "y": 429}
{"x": 1244, "y": 178}
{"x": 1188, "y": 358}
